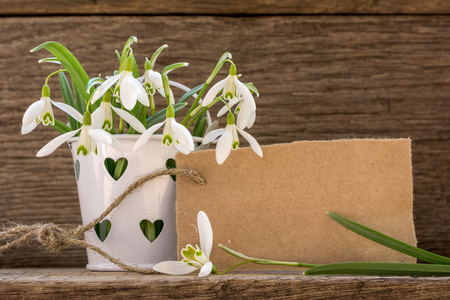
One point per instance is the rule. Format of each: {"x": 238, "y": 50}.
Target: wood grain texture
{"x": 232, "y": 7}
{"x": 320, "y": 77}
{"x": 82, "y": 284}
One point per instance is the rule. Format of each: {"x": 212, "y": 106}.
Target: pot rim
{"x": 123, "y": 136}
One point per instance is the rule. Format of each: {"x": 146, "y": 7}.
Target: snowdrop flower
{"x": 174, "y": 133}
{"x": 152, "y": 80}
{"x": 245, "y": 116}
{"x": 39, "y": 111}
{"x": 102, "y": 116}
{"x": 230, "y": 140}
{"x": 233, "y": 89}
{"x": 86, "y": 143}
{"x": 129, "y": 88}
{"x": 193, "y": 258}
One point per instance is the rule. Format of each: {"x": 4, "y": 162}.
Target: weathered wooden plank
{"x": 326, "y": 77}
{"x": 81, "y": 284}
{"x": 233, "y": 7}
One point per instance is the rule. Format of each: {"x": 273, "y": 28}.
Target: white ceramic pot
{"x": 154, "y": 202}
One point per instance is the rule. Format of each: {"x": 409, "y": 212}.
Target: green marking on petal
{"x": 47, "y": 119}
{"x": 229, "y": 95}
{"x": 82, "y": 149}
{"x": 167, "y": 140}
{"x": 188, "y": 253}
{"x": 199, "y": 252}
{"x": 235, "y": 145}
{"x": 107, "y": 125}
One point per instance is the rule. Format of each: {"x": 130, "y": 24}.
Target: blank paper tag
{"x": 276, "y": 207}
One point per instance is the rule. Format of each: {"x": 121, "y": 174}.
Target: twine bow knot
{"x": 54, "y": 237}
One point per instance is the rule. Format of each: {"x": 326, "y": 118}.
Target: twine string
{"x": 53, "y": 237}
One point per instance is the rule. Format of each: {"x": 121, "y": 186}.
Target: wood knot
{"x": 53, "y": 237}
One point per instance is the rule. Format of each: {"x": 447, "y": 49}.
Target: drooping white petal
{"x": 98, "y": 116}
{"x": 224, "y": 145}
{"x": 246, "y": 94}
{"x": 55, "y": 143}
{"x": 244, "y": 117}
{"x": 205, "y": 270}
{"x": 141, "y": 93}
{"x": 29, "y": 127}
{"x": 213, "y": 135}
{"x": 155, "y": 77}
{"x": 128, "y": 91}
{"x": 69, "y": 110}
{"x": 252, "y": 141}
{"x": 182, "y": 135}
{"x": 174, "y": 268}
{"x": 33, "y": 112}
{"x": 104, "y": 87}
{"x": 100, "y": 135}
{"x": 205, "y": 232}
{"x": 224, "y": 109}
{"x": 130, "y": 119}
{"x": 182, "y": 149}
{"x": 146, "y": 136}
{"x": 212, "y": 93}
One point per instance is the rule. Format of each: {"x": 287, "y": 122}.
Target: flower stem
{"x": 121, "y": 122}
{"x": 56, "y": 72}
{"x": 199, "y": 114}
{"x": 265, "y": 261}
{"x": 194, "y": 105}
{"x": 235, "y": 266}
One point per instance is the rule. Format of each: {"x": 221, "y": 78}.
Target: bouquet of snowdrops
{"x": 99, "y": 108}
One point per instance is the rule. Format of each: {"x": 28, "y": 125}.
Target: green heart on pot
{"x": 171, "y": 164}
{"x": 102, "y": 229}
{"x": 77, "y": 169}
{"x": 116, "y": 168}
{"x": 151, "y": 230}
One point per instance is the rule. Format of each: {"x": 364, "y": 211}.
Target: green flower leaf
{"x": 156, "y": 54}
{"x": 70, "y": 63}
{"x": 189, "y": 94}
{"x": 390, "y": 242}
{"x": 93, "y": 81}
{"x": 219, "y": 66}
{"x": 67, "y": 97}
{"x": 125, "y": 51}
{"x": 395, "y": 269}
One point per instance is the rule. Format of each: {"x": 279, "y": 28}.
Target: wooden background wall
{"x": 325, "y": 69}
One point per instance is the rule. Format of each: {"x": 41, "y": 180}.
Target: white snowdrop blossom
{"x": 128, "y": 88}
{"x": 102, "y": 116}
{"x": 39, "y": 111}
{"x": 152, "y": 80}
{"x": 229, "y": 139}
{"x": 174, "y": 133}
{"x": 193, "y": 258}
{"x": 232, "y": 90}
{"x": 89, "y": 137}
{"x": 245, "y": 116}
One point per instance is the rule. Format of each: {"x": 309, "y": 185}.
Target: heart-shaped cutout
{"x": 102, "y": 229}
{"x": 77, "y": 169}
{"x": 171, "y": 164}
{"x": 116, "y": 168}
{"x": 151, "y": 230}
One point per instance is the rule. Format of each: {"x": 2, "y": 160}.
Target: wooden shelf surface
{"x": 58, "y": 283}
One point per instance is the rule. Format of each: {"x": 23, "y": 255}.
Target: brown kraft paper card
{"x": 275, "y": 207}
